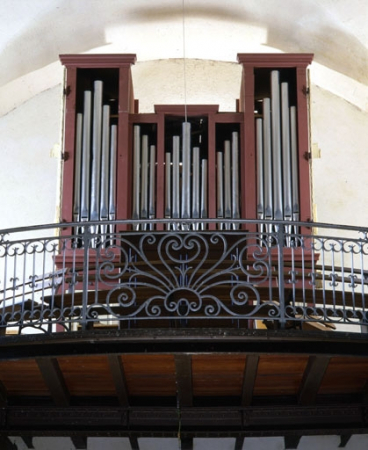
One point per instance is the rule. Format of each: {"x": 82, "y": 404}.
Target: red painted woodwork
{"x": 122, "y": 62}
{"x": 296, "y": 61}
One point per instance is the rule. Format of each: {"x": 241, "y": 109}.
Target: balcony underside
{"x": 215, "y": 382}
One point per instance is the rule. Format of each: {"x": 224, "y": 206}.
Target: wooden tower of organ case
{"x": 186, "y": 162}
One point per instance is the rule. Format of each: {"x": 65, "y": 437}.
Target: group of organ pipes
{"x": 186, "y": 169}
{"x": 186, "y": 181}
{"x": 277, "y": 161}
{"x": 95, "y": 162}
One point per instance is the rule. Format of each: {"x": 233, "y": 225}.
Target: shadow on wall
{"x": 303, "y": 26}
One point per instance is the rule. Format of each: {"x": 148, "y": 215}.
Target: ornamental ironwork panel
{"x": 234, "y": 276}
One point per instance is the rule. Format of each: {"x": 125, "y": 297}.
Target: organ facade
{"x": 186, "y": 161}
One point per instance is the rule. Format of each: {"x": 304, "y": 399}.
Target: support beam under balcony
{"x": 250, "y": 374}
{"x": 312, "y": 379}
{"x": 54, "y": 380}
{"x": 183, "y": 369}
{"x": 186, "y": 443}
{"x": 291, "y": 442}
{"x": 79, "y": 442}
{"x": 28, "y": 441}
{"x": 3, "y": 394}
{"x": 133, "y": 440}
{"x": 344, "y": 439}
{"x": 118, "y": 375}
{"x": 239, "y": 442}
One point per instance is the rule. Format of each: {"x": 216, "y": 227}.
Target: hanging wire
{"x": 184, "y": 64}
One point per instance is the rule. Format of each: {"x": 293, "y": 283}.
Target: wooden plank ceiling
{"x": 220, "y": 390}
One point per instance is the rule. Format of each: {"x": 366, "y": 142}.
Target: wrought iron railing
{"x": 68, "y": 276}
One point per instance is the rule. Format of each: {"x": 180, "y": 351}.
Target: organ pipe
{"x": 260, "y": 169}
{"x": 235, "y": 175}
{"x": 286, "y": 155}
{"x": 144, "y": 179}
{"x": 105, "y": 150}
{"x": 168, "y": 186}
{"x": 112, "y": 176}
{"x": 152, "y": 183}
{"x": 294, "y": 163}
{"x": 96, "y": 151}
{"x": 136, "y": 171}
{"x": 175, "y": 178}
{"x": 276, "y": 145}
{"x": 267, "y": 153}
{"x": 186, "y": 161}
{"x": 204, "y": 210}
{"x": 77, "y": 169}
{"x": 227, "y": 182}
{"x": 220, "y": 185}
{"x": 86, "y": 157}
{"x": 196, "y": 184}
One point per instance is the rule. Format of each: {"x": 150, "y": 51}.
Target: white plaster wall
{"x": 29, "y": 174}
{"x": 206, "y": 82}
{"x": 340, "y": 181}
{"x": 356, "y": 442}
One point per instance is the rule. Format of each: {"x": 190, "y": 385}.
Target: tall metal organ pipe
{"x": 112, "y": 176}
{"x": 276, "y": 145}
{"x": 152, "y": 183}
{"x": 235, "y": 176}
{"x": 86, "y": 157}
{"x": 77, "y": 169}
{"x": 96, "y": 151}
{"x": 260, "y": 169}
{"x": 105, "y": 150}
{"x": 186, "y": 169}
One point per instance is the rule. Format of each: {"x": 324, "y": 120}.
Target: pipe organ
{"x": 186, "y": 163}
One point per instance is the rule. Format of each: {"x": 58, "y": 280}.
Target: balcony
{"x": 287, "y": 275}
{"x": 241, "y": 327}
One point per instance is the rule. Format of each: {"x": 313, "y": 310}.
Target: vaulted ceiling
{"x": 32, "y": 34}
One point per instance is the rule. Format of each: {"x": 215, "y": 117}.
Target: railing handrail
{"x": 65, "y": 225}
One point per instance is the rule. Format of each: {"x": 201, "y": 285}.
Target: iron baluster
{"x": 280, "y": 246}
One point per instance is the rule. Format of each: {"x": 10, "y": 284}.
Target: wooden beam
{"x": 250, "y": 374}
{"x": 134, "y": 442}
{"x": 28, "y": 441}
{"x": 344, "y": 439}
{"x": 186, "y": 443}
{"x": 3, "y": 395}
{"x": 183, "y": 370}
{"x": 79, "y": 442}
{"x": 291, "y": 442}
{"x": 312, "y": 379}
{"x": 239, "y": 442}
{"x": 365, "y": 393}
{"x": 118, "y": 375}
{"x": 54, "y": 380}
{"x": 92, "y": 420}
